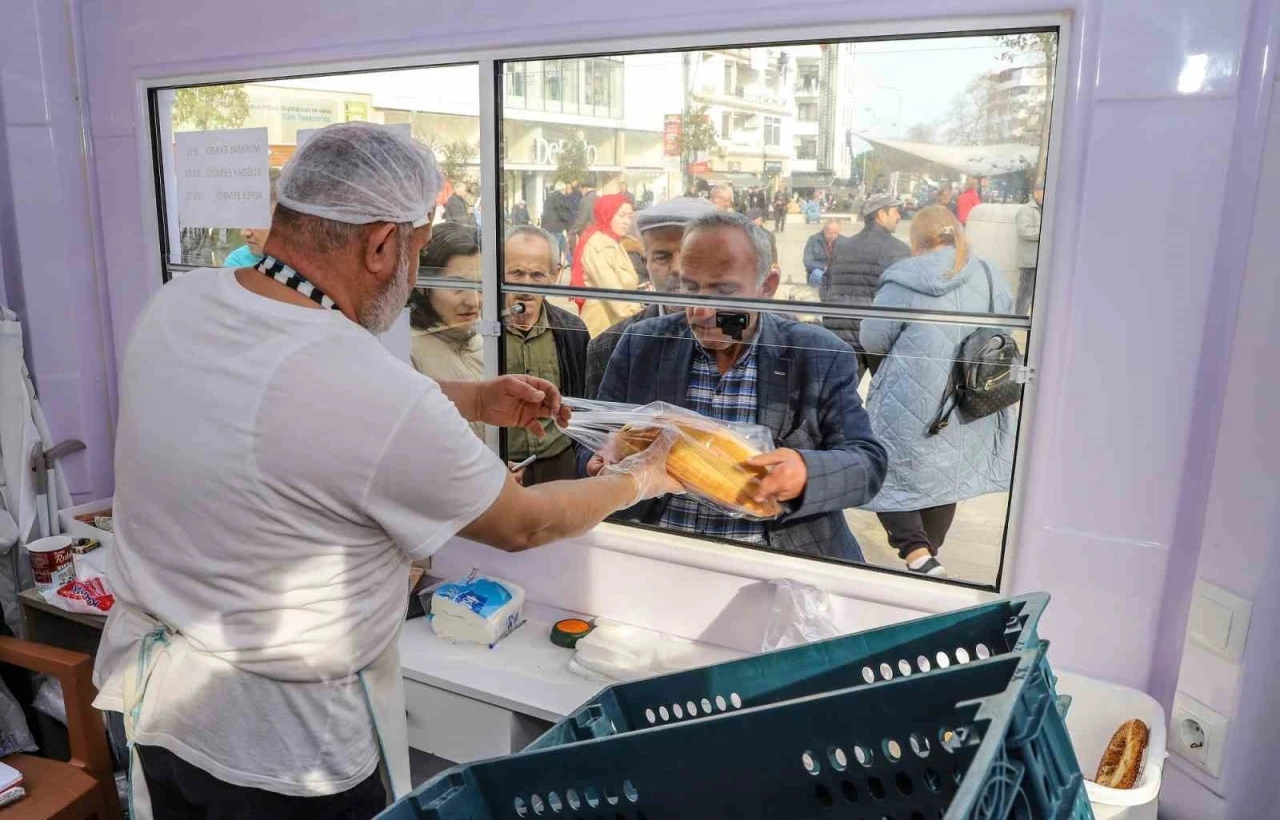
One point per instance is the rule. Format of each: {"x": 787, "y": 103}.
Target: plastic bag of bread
{"x": 709, "y": 459}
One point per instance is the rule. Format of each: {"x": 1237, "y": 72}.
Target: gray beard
{"x": 381, "y": 312}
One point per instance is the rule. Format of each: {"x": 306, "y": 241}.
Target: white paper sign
{"x": 305, "y": 134}
{"x": 224, "y": 178}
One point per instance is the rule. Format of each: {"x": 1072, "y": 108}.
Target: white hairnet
{"x": 358, "y": 173}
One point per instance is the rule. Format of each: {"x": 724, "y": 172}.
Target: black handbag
{"x": 985, "y": 377}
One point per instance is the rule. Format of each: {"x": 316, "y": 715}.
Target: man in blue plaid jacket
{"x": 797, "y": 379}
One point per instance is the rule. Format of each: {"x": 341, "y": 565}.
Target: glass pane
{"x": 834, "y": 148}
{"x": 873, "y": 485}
{"x": 437, "y": 106}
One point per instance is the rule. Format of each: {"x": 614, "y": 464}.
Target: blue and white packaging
{"x": 478, "y": 609}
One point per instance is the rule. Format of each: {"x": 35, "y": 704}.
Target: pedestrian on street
{"x": 930, "y": 473}
{"x": 1027, "y": 221}
{"x": 520, "y": 213}
{"x": 857, "y": 262}
{"x": 817, "y": 252}
{"x": 557, "y": 217}
{"x": 756, "y": 217}
{"x": 601, "y": 261}
{"x": 969, "y": 200}
{"x": 780, "y": 201}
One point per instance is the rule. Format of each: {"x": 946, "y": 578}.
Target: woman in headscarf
{"x": 601, "y": 262}
{"x": 446, "y": 343}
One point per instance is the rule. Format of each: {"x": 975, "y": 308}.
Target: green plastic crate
{"x": 981, "y": 741}
{"x": 921, "y": 646}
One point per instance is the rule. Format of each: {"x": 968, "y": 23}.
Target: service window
{"x": 885, "y": 207}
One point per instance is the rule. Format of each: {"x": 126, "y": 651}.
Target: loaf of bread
{"x": 709, "y": 460}
{"x": 1122, "y": 761}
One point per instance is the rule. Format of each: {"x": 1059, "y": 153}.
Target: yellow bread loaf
{"x": 709, "y": 460}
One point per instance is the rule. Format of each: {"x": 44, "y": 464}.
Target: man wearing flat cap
{"x": 661, "y": 228}
{"x": 856, "y": 264}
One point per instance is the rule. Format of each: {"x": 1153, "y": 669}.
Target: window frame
{"x": 862, "y": 581}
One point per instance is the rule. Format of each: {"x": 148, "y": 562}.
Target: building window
{"x": 772, "y": 131}
{"x": 566, "y": 117}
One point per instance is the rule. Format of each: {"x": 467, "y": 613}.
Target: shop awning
{"x": 812, "y": 179}
{"x": 732, "y": 177}
{"x": 974, "y": 160}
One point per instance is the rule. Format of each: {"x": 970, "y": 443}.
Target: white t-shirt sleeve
{"x": 434, "y": 477}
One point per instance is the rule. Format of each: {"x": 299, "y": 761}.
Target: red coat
{"x": 965, "y": 203}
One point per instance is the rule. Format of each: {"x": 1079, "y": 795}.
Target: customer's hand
{"x": 604, "y": 456}
{"x": 520, "y": 401}
{"x": 786, "y": 478}
{"x": 649, "y": 469}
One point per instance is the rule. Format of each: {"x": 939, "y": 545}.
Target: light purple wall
{"x": 50, "y": 235}
{"x": 1123, "y": 433}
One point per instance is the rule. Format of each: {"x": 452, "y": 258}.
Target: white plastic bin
{"x": 1097, "y": 710}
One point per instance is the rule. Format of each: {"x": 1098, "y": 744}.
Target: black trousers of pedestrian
{"x": 180, "y": 791}
{"x": 779, "y": 221}
{"x": 911, "y": 530}
{"x": 1026, "y": 287}
{"x": 562, "y": 467}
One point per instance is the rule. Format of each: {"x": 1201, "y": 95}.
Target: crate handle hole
{"x": 706, "y": 706}
{"x": 691, "y": 709}
{"x": 886, "y": 671}
{"x": 957, "y": 774}
{"x": 839, "y": 761}
{"x": 982, "y": 652}
{"x": 904, "y": 668}
{"x": 629, "y": 792}
{"x": 574, "y": 801}
{"x": 892, "y": 750}
{"x": 736, "y": 700}
{"x": 720, "y": 704}
{"x": 962, "y": 655}
{"x": 948, "y": 739}
{"x": 943, "y": 660}
{"x": 868, "y": 675}
{"x": 538, "y": 806}
{"x": 904, "y": 783}
{"x": 863, "y": 755}
{"x": 677, "y": 710}
{"x": 553, "y": 800}
{"x": 922, "y": 663}
{"x": 650, "y": 716}
{"x": 591, "y": 796}
{"x": 811, "y": 764}
{"x": 875, "y": 787}
{"x": 920, "y": 745}
{"x": 522, "y": 808}
{"x": 664, "y": 714}
{"x": 932, "y": 780}
{"x": 849, "y": 791}
{"x": 824, "y": 795}
{"x": 610, "y": 796}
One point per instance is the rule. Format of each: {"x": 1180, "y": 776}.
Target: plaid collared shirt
{"x": 732, "y": 398}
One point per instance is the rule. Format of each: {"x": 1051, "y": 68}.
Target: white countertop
{"x": 524, "y": 672}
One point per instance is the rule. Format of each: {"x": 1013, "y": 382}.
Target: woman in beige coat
{"x": 601, "y": 262}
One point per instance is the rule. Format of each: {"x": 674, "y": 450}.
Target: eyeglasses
{"x": 533, "y": 277}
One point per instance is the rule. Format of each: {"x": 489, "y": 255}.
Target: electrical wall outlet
{"x": 1198, "y": 734}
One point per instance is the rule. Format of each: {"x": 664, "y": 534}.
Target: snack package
{"x": 88, "y": 596}
{"x": 709, "y": 458}
{"x": 478, "y": 609}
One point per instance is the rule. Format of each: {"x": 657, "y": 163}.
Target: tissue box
{"x": 79, "y": 529}
{"x": 477, "y": 609}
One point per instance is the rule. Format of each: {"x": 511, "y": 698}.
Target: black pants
{"x": 180, "y": 791}
{"x": 915, "y": 529}
{"x": 562, "y": 467}
{"x": 1026, "y": 286}
{"x": 779, "y": 221}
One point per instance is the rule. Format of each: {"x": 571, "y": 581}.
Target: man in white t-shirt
{"x": 277, "y": 470}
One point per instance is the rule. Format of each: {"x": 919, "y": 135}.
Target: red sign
{"x": 672, "y": 127}
{"x": 700, "y": 168}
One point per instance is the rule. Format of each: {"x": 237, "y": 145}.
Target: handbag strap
{"x": 991, "y": 287}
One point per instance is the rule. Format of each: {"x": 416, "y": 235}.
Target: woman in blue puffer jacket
{"x": 929, "y": 474}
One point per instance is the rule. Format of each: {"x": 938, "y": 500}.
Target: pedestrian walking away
{"x": 929, "y": 474}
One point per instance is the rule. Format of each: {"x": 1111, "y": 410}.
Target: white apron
{"x": 381, "y": 682}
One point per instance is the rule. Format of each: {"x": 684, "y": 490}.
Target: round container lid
{"x": 51, "y": 544}
{"x": 569, "y": 631}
